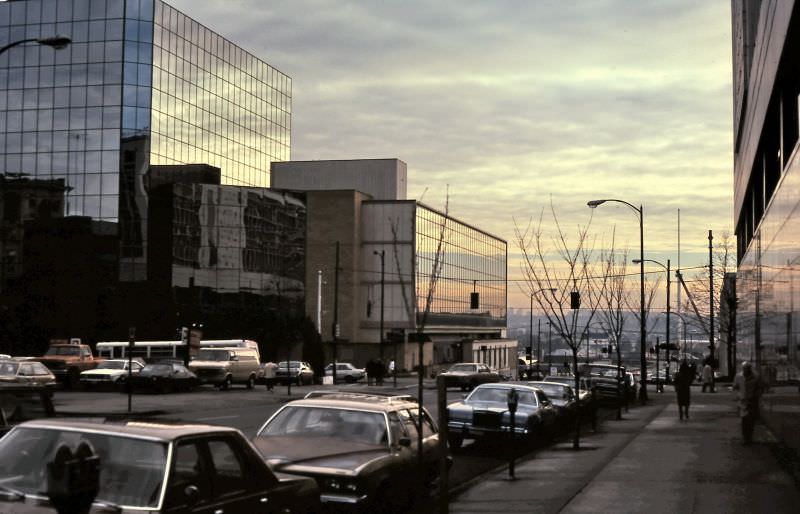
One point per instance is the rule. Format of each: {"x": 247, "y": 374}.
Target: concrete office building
{"x": 766, "y": 84}
{"x": 141, "y": 84}
{"x": 362, "y": 206}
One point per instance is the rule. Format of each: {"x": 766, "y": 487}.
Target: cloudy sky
{"x": 516, "y": 103}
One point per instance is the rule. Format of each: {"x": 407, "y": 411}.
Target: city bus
{"x": 155, "y": 350}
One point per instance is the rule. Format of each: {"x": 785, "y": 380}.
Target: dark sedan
{"x": 142, "y": 467}
{"x": 563, "y": 398}
{"x": 485, "y": 413}
{"x": 606, "y": 380}
{"x": 468, "y": 375}
{"x": 164, "y": 377}
{"x": 360, "y": 447}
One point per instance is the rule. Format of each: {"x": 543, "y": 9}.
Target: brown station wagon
{"x": 360, "y": 447}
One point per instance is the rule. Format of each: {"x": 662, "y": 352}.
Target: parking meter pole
{"x": 444, "y": 469}
{"x": 513, "y": 399}
{"x": 131, "y": 343}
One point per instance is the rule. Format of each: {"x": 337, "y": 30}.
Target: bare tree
{"x": 699, "y": 284}
{"x": 567, "y": 269}
{"x": 613, "y": 307}
{"x": 420, "y": 324}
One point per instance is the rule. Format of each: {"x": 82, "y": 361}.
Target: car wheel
{"x": 454, "y": 441}
{"x": 251, "y": 382}
{"x": 226, "y": 384}
{"x": 349, "y": 379}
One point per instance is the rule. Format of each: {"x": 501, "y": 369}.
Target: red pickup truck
{"x": 66, "y": 361}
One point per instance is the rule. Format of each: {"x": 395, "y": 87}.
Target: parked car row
{"x": 540, "y": 409}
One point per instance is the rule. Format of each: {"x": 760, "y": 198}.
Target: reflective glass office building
{"x": 766, "y": 85}
{"x": 141, "y": 84}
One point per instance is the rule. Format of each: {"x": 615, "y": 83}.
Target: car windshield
{"x": 8, "y": 368}
{"x": 131, "y": 470}
{"x": 112, "y": 365}
{"x": 292, "y": 364}
{"x": 213, "y": 355}
{"x": 156, "y": 369}
{"x": 500, "y": 395}
{"x": 601, "y": 371}
{"x": 347, "y": 425}
{"x": 63, "y": 350}
{"x": 551, "y": 390}
{"x": 462, "y": 367}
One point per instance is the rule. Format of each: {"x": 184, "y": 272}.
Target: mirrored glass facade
{"x": 472, "y": 260}
{"x": 767, "y": 187}
{"x": 140, "y": 84}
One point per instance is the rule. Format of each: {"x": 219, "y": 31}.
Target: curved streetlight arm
{"x": 594, "y": 203}
{"x": 637, "y": 261}
{"x": 56, "y": 42}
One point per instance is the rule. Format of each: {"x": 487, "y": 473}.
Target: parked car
{"x": 112, "y": 372}
{"x": 296, "y": 372}
{"x": 66, "y": 361}
{"x": 346, "y": 372}
{"x": 484, "y": 413}
{"x": 26, "y": 372}
{"x": 360, "y": 447}
{"x": 607, "y": 381}
{"x": 223, "y": 367}
{"x": 563, "y": 397}
{"x": 23, "y": 403}
{"x": 528, "y": 368}
{"x": 163, "y": 377}
{"x": 468, "y": 375}
{"x": 147, "y": 467}
{"x": 585, "y": 396}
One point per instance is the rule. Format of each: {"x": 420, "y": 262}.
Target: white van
{"x": 223, "y": 367}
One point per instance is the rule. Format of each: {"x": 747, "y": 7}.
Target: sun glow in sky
{"x": 517, "y": 103}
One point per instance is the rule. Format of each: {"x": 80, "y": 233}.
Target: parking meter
{"x": 73, "y": 479}
{"x": 513, "y": 401}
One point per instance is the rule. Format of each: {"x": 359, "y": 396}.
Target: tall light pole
{"x": 55, "y": 42}
{"x": 642, "y": 329}
{"x": 636, "y": 261}
{"x": 530, "y": 334}
{"x": 381, "y": 254}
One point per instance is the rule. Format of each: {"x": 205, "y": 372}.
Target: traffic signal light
{"x": 574, "y": 300}
{"x": 474, "y": 300}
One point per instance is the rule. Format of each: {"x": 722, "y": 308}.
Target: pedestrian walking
{"x": 683, "y": 388}
{"x": 708, "y": 377}
{"x": 380, "y": 370}
{"x": 748, "y": 388}
{"x": 269, "y": 375}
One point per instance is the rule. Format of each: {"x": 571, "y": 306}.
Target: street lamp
{"x": 642, "y": 329}
{"x": 636, "y": 261}
{"x": 539, "y": 338}
{"x": 381, "y": 254}
{"x": 56, "y": 42}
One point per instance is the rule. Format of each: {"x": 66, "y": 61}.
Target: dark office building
{"x": 140, "y": 89}
{"x": 766, "y": 84}
{"x": 141, "y": 84}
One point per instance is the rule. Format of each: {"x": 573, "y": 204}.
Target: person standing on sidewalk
{"x": 683, "y": 388}
{"x": 708, "y": 377}
{"x": 269, "y": 374}
{"x": 748, "y": 388}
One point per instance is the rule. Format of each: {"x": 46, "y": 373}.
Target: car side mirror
{"x": 191, "y": 493}
{"x": 404, "y": 441}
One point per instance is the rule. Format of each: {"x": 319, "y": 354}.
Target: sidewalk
{"x": 649, "y": 462}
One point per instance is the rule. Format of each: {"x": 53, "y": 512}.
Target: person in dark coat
{"x": 683, "y": 388}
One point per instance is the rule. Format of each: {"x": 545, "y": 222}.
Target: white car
{"x": 346, "y": 372}
{"x": 110, "y": 372}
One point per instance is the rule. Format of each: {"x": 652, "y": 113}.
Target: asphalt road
{"x": 247, "y": 410}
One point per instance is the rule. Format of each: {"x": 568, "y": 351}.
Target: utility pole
{"x": 381, "y": 253}
{"x": 711, "y": 298}
{"x": 335, "y": 328}
{"x": 669, "y": 281}
{"x": 319, "y": 301}
{"x": 530, "y": 343}
{"x": 539, "y": 350}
